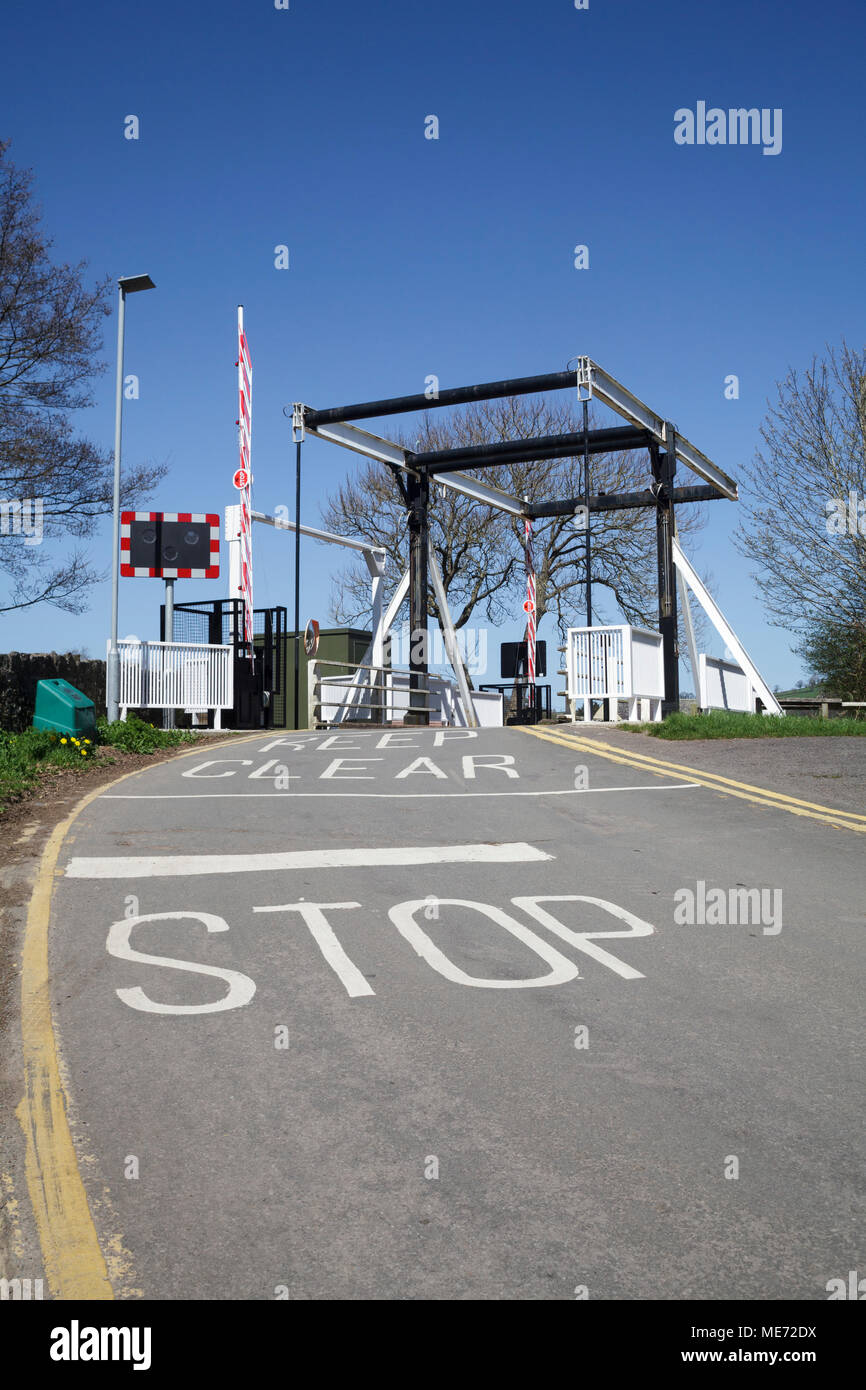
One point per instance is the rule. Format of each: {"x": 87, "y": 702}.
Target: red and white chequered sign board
{"x": 245, "y": 427}
{"x": 529, "y": 606}
{"x": 210, "y": 520}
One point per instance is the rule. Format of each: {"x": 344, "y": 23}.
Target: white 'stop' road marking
{"x": 181, "y": 866}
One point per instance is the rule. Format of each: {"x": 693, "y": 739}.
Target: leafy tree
{"x": 804, "y": 497}
{"x": 836, "y": 651}
{"x": 54, "y": 483}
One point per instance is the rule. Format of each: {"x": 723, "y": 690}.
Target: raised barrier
{"x": 176, "y": 675}
{"x": 617, "y": 663}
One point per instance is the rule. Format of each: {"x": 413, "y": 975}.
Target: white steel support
{"x": 375, "y": 555}
{"x": 724, "y": 629}
{"x": 374, "y": 446}
{"x": 686, "y": 610}
{"x": 284, "y": 524}
{"x": 362, "y": 442}
{"x": 381, "y": 628}
{"x": 376, "y": 566}
{"x": 450, "y": 639}
{"x": 480, "y": 491}
{"x": 594, "y": 381}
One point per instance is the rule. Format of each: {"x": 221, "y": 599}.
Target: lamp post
{"x": 588, "y": 536}
{"x": 297, "y": 671}
{"x": 128, "y": 284}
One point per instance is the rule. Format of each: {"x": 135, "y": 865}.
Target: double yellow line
{"x": 660, "y": 767}
{"x": 75, "y": 1265}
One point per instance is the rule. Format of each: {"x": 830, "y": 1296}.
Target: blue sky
{"x": 305, "y": 127}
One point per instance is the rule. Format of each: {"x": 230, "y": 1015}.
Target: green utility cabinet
{"x": 346, "y": 645}
{"x": 59, "y": 706}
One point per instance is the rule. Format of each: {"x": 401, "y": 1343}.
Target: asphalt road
{"x": 437, "y": 1028}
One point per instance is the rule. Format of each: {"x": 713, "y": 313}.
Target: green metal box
{"x": 346, "y": 645}
{"x": 61, "y": 707}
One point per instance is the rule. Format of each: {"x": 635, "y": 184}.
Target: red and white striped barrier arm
{"x": 530, "y": 605}
{"x": 245, "y": 429}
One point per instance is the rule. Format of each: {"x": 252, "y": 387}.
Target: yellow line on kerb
{"x": 761, "y": 796}
{"x": 75, "y": 1266}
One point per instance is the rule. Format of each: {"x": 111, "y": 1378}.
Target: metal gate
{"x": 260, "y": 684}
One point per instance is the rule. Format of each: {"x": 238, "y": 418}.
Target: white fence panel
{"x": 724, "y": 685}
{"x": 615, "y": 663}
{"x": 596, "y": 662}
{"x": 489, "y": 706}
{"x": 175, "y": 675}
{"x": 647, "y": 658}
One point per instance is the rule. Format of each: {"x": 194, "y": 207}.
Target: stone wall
{"x": 20, "y": 672}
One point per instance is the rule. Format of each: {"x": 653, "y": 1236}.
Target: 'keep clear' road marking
{"x": 184, "y": 865}
{"x": 361, "y": 769}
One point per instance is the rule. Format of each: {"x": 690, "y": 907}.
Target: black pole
{"x": 419, "y": 496}
{"x": 297, "y": 672}
{"x": 664, "y": 470}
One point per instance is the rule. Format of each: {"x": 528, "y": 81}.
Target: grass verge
{"x": 25, "y": 757}
{"x": 728, "y": 724}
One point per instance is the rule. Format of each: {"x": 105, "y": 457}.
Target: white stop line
{"x": 183, "y": 866}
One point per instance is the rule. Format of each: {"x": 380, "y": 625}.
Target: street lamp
{"x": 128, "y": 284}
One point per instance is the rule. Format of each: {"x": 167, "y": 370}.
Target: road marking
{"x": 240, "y": 987}
{"x": 561, "y": 969}
{"x": 584, "y": 940}
{"x": 761, "y": 796}
{"x": 186, "y": 865}
{"x": 391, "y": 796}
{"x": 74, "y": 1263}
{"x": 325, "y": 938}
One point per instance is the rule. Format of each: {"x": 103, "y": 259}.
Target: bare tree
{"x": 53, "y": 482}
{"x": 805, "y": 496}
{"x": 481, "y": 549}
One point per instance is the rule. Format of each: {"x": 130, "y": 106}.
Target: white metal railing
{"x": 175, "y": 675}
{"x": 383, "y": 697}
{"x": 614, "y": 663}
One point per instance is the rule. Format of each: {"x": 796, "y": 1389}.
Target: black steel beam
{"x": 419, "y": 533}
{"x": 456, "y": 395}
{"x": 620, "y": 501}
{"x": 664, "y": 467}
{"x": 544, "y": 446}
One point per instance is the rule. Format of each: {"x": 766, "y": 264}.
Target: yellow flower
{"x": 63, "y": 740}
{"x": 87, "y": 740}
{"x": 83, "y": 752}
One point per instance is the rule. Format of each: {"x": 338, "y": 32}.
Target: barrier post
{"x": 312, "y": 693}
{"x": 168, "y": 713}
